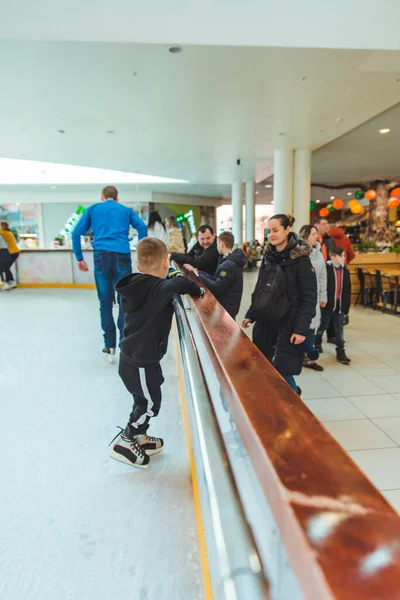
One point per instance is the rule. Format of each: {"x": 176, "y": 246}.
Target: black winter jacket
{"x": 146, "y": 302}
{"x": 345, "y": 297}
{"x": 301, "y": 285}
{"x": 227, "y": 283}
{"x": 204, "y": 260}
{"x": 329, "y": 244}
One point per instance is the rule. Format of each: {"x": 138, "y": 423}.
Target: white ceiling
{"x": 187, "y": 116}
{"x": 287, "y": 23}
{"x": 363, "y": 154}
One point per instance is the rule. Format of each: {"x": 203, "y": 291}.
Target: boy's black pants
{"x": 144, "y": 383}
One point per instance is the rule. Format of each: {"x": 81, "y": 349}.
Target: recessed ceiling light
{"x": 339, "y": 119}
{"x": 110, "y": 131}
{"x": 318, "y": 201}
{"x": 269, "y": 185}
{"x": 53, "y": 187}
{"x": 282, "y": 133}
{"x": 60, "y": 130}
{"x": 175, "y": 49}
{"x": 257, "y": 192}
{"x": 332, "y": 197}
{"x": 349, "y": 194}
{"x": 383, "y": 131}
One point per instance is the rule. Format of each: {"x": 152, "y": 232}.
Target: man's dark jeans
{"x": 337, "y": 319}
{"x": 110, "y": 267}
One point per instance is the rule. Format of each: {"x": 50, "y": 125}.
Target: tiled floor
{"x": 360, "y": 404}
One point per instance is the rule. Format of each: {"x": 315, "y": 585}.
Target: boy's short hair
{"x": 110, "y": 191}
{"x": 336, "y": 251}
{"x": 227, "y": 238}
{"x": 150, "y": 253}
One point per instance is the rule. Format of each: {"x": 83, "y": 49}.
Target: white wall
{"x": 54, "y": 216}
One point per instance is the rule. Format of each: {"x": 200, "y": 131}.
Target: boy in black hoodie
{"x": 227, "y": 283}
{"x": 146, "y": 301}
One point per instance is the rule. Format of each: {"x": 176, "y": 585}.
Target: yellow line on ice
{"x": 196, "y": 496}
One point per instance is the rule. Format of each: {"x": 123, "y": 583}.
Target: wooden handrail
{"x": 341, "y": 535}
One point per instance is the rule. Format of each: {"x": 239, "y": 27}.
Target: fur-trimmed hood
{"x": 295, "y": 249}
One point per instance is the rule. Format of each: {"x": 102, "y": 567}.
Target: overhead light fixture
{"x": 269, "y": 185}
{"x": 257, "y": 192}
{"x": 318, "y": 201}
{"x": 349, "y": 193}
{"x": 332, "y": 197}
{"x": 383, "y": 131}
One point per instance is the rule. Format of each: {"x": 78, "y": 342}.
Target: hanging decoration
{"x": 324, "y": 212}
{"x": 359, "y": 194}
{"x": 338, "y": 204}
{"x": 353, "y": 203}
{"x": 395, "y": 193}
{"x": 330, "y": 208}
{"x": 313, "y": 206}
{"x": 370, "y": 194}
{"x": 356, "y": 209}
{"x": 393, "y": 202}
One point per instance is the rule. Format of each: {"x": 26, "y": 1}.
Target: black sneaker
{"x": 151, "y": 445}
{"x": 342, "y": 358}
{"x": 129, "y": 451}
{"x": 310, "y": 364}
{"x": 109, "y": 354}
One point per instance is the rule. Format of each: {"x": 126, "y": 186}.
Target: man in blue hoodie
{"x": 110, "y": 223}
{"x": 227, "y": 283}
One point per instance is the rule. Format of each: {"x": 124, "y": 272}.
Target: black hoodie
{"x": 227, "y": 283}
{"x": 146, "y": 302}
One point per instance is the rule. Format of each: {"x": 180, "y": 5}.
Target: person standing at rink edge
{"x": 284, "y": 300}
{"x": 147, "y": 304}
{"x": 110, "y": 223}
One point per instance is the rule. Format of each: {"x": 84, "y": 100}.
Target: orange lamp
{"x": 356, "y": 209}
{"x": 324, "y": 212}
{"x": 393, "y": 202}
{"x": 338, "y": 204}
{"x": 395, "y": 193}
{"x": 370, "y": 194}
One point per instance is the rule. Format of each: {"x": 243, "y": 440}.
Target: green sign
{"x": 72, "y": 221}
{"x": 189, "y": 217}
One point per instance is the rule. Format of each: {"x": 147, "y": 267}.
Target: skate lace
{"x": 133, "y": 443}
{"x": 149, "y": 438}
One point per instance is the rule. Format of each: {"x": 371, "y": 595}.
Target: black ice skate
{"x": 128, "y": 451}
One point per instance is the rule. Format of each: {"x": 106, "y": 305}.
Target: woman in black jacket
{"x": 282, "y": 341}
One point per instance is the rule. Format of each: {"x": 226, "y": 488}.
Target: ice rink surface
{"x": 74, "y": 524}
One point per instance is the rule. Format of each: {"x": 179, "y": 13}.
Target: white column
{"x": 237, "y": 212}
{"x": 302, "y": 187}
{"x": 283, "y": 181}
{"x": 250, "y": 211}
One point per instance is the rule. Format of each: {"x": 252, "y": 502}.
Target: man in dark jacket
{"x": 327, "y": 242}
{"x": 227, "y": 283}
{"x": 204, "y": 255}
{"x": 338, "y": 305}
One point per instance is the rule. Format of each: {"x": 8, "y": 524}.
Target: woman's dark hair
{"x": 305, "y": 231}
{"x": 154, "y": 217}
{"x": 286, "y": 220}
